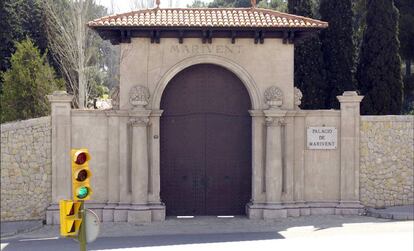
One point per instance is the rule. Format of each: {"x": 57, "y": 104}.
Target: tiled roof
{"x": 208, "y": 17}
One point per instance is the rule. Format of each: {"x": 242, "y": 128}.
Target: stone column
{"x": 350, "y": 116}
{"x": 275, "y": 119}
{"x": 139, "y": 160}
{"x": 274, "y": 164}
{"x": 60, "y": 103}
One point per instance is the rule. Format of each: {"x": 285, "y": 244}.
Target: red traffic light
{"x": 81, "y": 158}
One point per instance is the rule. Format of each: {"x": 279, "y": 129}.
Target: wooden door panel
{"x": 205, "y": 143}
{"x": 182, "y": 168}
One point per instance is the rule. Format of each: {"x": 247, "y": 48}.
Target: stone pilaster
{"x": 113, "y": 182}
{"x": 139, "y": 211}
{"x": 154, "y": 201}
{"x": 60, "y": 103}
{"x": 350, "y": 116}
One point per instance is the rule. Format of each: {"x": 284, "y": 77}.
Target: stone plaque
{"x": 322, "y": 138}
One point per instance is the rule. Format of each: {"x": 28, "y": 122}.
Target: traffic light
{"x": 70, "y": 219}
{"x": 81, "y": 174}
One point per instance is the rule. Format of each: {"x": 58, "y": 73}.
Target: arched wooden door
{"x": 205, "y": 143}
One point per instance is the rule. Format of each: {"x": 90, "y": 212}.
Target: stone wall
{"x": 26, "y": 169}
{"x": 386, "y": 160}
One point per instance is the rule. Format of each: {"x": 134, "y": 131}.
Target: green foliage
{"x": 231, "y": 3}
{"x": 406, "y": 28}
{"x": 27, "y": 83}
{"x": 379, "y": 68}
{"x": 338, "y": 48}
{"x": 309, "y": 72}
{"x": 408, "y": 106}
{"x": 20, "y": 18}
{"x": 197, "y": 4}
{"x": 279, "y": 5}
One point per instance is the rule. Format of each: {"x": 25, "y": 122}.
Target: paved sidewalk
{"x": 395, "y": 213}
{"x": 208, "y": 225}
{"x": 319, "y": 233}
{"x": 205, "y": 224}
{"x": 10, "y": 228}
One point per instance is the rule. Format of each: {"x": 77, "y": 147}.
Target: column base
{"x": 139, "y": 214}
{"x": 157, "y": 211}
{"x": 349, "y": 208}
{"x": 302, "y": 208}
{"x": 52, "y": 214}
{"x": 108, "y": 212}
{"x": 121, "y": 212}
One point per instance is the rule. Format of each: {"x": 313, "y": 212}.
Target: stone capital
{"x": 60, "y": 97}
{"x": 138, "y": 121}
{"x": 275, "y": 121}
{"x": 350, "y": 97}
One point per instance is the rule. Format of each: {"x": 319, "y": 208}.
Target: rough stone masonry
{"x": 386, "y": 160}
{"x": 25, "y": 169}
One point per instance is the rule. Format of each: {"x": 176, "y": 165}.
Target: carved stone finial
{"x": 139, "y": 96}
{"x": 253, "y": 3}
{"x": 157, "y": 2}
{"x": 115, "y": 97}
{"x": 298, "y": 97}
{"x": 274, "y": 97}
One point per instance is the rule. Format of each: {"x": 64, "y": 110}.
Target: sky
{"x": 126, "y": 5}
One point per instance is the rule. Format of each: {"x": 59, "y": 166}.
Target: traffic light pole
{"x": 82, "y": 232}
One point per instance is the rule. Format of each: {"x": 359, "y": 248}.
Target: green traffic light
{"x": 82, "y": 192}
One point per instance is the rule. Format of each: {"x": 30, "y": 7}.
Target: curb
{"x": 389, "y": 215}
{"x": 38, "y": 225}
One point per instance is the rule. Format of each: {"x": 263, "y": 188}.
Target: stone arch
{"x": 241, "y": 73}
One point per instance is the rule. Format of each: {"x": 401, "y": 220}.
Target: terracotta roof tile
{"x": 207, "y": 17}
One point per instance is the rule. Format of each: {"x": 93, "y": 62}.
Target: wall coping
{"x": 20, "y": 124}
{"x": 389, "y": 118}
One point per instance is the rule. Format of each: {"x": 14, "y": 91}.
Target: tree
{"x": 27, "y": 83}
{"x": 338, "y": 48}
{"x": 141, "y": 4}
{"x": 231, "y": 3}
{"x": 406, "y": 32}
{"x": 309, "y": 72}
{"x": 197, "y": 4}
{"x": 379, "y": 68}
{"x": 19, "y": 19}
{"x": 76, "y": 48}
{"x": 279, "y": 5}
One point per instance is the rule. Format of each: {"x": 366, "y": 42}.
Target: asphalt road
{"x": 378, "y": 236}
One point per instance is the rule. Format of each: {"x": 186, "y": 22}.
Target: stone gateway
{"x": 206, "y": 121}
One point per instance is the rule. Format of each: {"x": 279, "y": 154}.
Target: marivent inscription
{"x": 206, "y": 49}
{"x": 322, "y": 138}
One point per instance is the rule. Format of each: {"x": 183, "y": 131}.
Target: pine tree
{"x": 309, "y": 74}
{"x": 27, "y": 83}
{"x": 379, "y": 69}
{"x": 338, "y": 48}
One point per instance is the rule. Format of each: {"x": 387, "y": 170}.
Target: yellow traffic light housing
{"x": 70, "y": 218}
{"x": 81, "y": 174}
